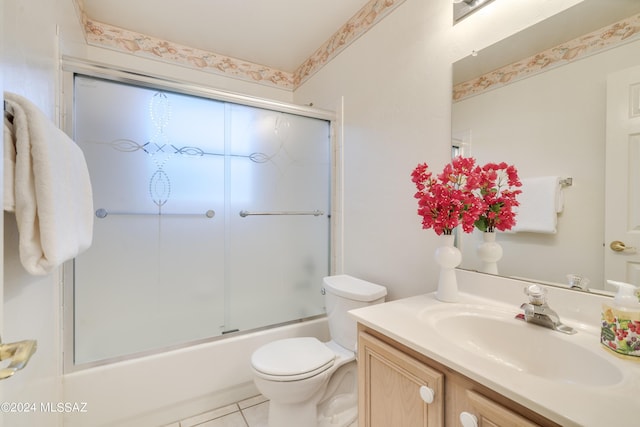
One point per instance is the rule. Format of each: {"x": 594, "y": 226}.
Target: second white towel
{"x": 540, "y": 202}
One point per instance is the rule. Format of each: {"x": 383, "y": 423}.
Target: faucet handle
{"x": 537, "y": 294}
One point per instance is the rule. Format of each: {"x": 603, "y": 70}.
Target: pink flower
{"x": 448, "y": 200}
{"x": 497, "y": 189}
{"x": 468, "y": 195}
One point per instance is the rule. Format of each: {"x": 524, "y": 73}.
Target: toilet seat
{"x": 292, "y": 359}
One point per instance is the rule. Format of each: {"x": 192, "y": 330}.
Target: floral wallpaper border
{"x": 360, "y": 23}
{"x": 111, "y": 37}
{"x": 620, "y": 32}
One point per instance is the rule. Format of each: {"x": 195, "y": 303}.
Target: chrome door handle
{"x": 618, "y": 246}
{"x": 18, "y": 353}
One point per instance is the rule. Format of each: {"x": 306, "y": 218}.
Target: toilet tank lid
{"x": 353, "y": 288}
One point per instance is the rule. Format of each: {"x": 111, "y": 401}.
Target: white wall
{"x": 31, "y": 304}
{"x": 396, "y": 84}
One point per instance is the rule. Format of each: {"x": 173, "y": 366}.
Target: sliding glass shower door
{"x": 211, "y": 217}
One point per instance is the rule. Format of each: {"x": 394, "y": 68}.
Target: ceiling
{"x": 280, "y": 34}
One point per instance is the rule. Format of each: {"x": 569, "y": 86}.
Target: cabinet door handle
{"x": 468, "y": 420}
{"x": 427, "y": 394}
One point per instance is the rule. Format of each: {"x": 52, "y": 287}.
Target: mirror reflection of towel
{"x": 540, "y": 202}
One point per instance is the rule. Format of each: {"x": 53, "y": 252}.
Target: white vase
{"x": 448, "y": 257}
{"x": 490, "y": 253}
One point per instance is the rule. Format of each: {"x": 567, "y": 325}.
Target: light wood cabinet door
{"x": 491, "y": 414}
{"x": 390, "y": 387}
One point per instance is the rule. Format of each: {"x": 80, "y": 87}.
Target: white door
{"x": 622, "y": 188}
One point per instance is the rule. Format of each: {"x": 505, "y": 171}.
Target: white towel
{"x": 9, "y": 166}
{"x": 540, "y": 202}
{"x": 53, "y": 198}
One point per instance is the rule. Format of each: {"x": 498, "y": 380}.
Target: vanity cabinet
{"x": 397, "y": 383}
{"x": 393, "y": 387}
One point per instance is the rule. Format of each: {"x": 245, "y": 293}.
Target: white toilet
{"x": 310, "y": 383}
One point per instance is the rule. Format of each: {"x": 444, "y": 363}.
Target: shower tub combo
{"x": 211, "y": 237}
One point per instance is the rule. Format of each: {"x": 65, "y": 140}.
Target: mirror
{"x": 548, "y": 118}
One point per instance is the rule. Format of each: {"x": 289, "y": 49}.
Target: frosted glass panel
{"x": 172, "y": 261}
{"x": 277, "y": 261}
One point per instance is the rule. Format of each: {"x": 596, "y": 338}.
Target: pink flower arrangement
{"x": 468, "y": 195}
{"x": 498, "y": 192}
{"x": 448, "y": 200}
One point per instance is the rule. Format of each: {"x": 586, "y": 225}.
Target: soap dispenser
{"x": 621, "y": 321}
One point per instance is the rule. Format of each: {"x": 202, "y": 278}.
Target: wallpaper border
{"x": 110, "y": 37}
{"x": 623, "y": 31}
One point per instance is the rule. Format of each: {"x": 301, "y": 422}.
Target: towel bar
{"x": 314, "y": 213}
{"x": 102, "y": 213}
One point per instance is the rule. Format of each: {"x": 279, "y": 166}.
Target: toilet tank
{"x": 344, "y": 293}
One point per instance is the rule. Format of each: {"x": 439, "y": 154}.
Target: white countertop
{"x": 567, "y": 403}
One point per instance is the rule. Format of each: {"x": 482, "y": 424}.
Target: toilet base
{"x": 295, "y": 415}
{"x": 342, "y": 411}
{"x": 334, "y": 405}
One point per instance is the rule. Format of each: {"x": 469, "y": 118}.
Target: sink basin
{"x": 496, "y": 335}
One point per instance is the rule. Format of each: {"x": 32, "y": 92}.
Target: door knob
{"x": 618, "y": 246}
{"x": 18, "y": 353}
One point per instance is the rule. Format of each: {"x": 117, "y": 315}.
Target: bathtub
{"x": 163, "y": 388}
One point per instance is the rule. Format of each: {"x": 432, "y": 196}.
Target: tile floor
{"x": 250, "y": 412}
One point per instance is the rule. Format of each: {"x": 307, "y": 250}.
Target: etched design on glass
{"x": 130, "y": 146}
{"x": 159, "y": 184}
{"x": 160, "y": 187}
{"x": 160, "y": 150}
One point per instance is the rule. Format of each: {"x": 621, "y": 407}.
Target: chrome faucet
{"x": 537, "y": 311}
{"x": 578, "y": 282}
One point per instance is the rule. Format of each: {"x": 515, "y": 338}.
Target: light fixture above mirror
{"x": 463, "y": 8}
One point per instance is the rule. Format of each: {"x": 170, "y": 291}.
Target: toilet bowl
{"x": 310, "y": 383}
